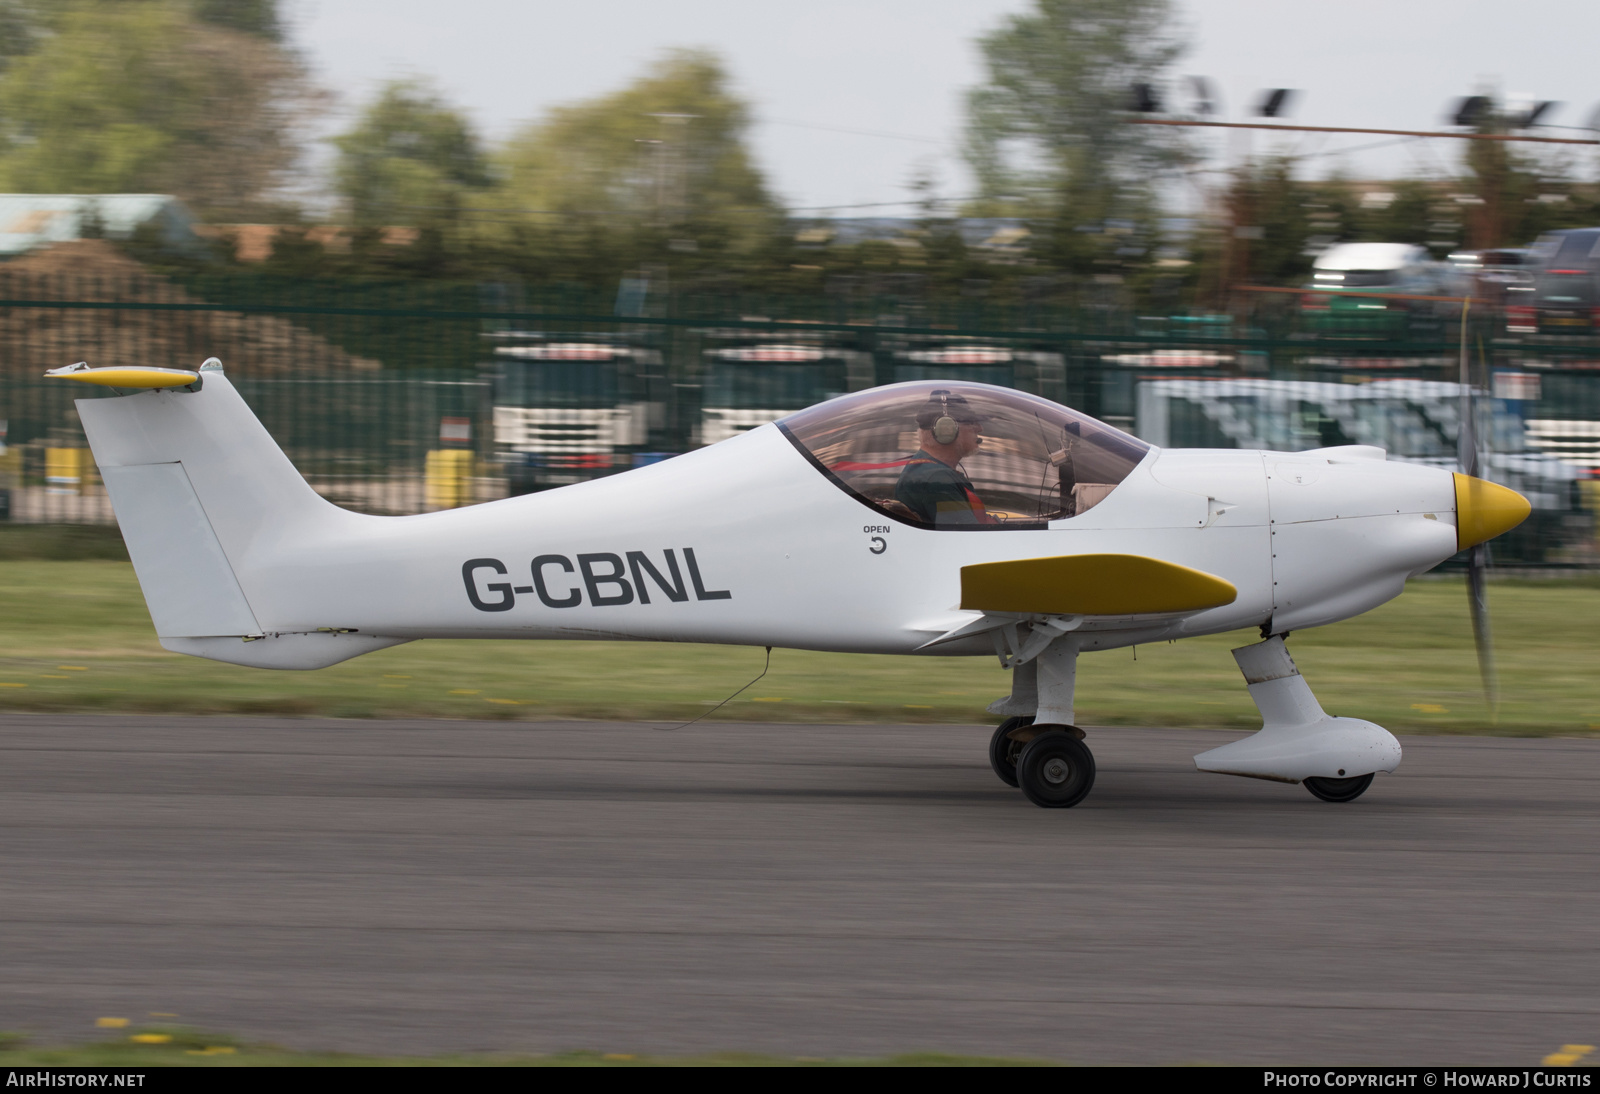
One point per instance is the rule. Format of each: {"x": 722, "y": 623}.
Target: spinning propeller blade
{"x": 1478, "y": 553}
{"x": 1477, "y": 563}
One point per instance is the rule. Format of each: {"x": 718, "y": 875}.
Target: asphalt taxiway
{"x": 421, "y": 887}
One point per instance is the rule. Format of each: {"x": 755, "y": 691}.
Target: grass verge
{"x": 61, "y": 542}
{"x": 77, "y": 638}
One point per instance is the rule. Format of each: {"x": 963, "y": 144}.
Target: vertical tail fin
{"x": 245, "y": 484}
{"x": 204, "y": 495}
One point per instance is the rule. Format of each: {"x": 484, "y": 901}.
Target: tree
{"x": 1519, "y": 191}
{"x": 411, "y": 159}
{"x": 258, "y": 17}
{"x": 1274, "y": 210}
{"x": 21, "y": 25}
{"x": 656, "y": 172}
{"x": 142, "y": 96}
{"x": 1046, "y": 132}
{"x": 1403, "y": 211}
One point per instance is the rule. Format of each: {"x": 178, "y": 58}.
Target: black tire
{"x": 1003, "y": 751}
{"x": 1338, "y": 790}
{"x": 1055, "y": 770}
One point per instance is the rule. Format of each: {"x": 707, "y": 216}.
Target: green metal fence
{"x": 360, "y": 381}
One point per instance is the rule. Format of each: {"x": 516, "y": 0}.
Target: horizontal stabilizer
{"x": 1092, "y": 585}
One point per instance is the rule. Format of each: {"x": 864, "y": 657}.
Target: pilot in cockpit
{"x": 932, "y": 484}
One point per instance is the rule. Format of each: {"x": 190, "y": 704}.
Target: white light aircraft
{"x": 934, "y": 518}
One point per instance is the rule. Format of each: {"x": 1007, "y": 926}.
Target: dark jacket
{"x": 938, "y": 493}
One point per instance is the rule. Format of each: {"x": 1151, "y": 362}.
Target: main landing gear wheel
{"x": 1003, "y": 751}
{"x": 1338, "y": 790}
{"x": 1055, "y": 770}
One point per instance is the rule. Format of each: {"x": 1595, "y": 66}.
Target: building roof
{"x": 28, "y": 221}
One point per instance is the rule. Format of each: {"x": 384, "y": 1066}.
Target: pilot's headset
{"x": 945, "y": 428}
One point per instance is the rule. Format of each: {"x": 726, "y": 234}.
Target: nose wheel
{"x": 1338, "y": 790}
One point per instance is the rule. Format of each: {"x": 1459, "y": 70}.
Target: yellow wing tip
{"x": 126, "y": 376}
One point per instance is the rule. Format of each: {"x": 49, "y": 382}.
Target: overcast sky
{"x": 895, "y": 71}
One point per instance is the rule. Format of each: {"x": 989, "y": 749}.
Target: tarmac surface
{"x": 420, "y": 887}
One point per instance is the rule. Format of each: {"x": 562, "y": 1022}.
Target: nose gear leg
{"x": 1298, "y": 741}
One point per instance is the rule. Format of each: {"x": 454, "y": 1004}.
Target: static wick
{"x": 725, "y": 702}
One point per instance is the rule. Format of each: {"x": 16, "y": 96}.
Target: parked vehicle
{"x": 569, "y": 410}
{"x": 1343, "y": 272}
{"x": 1496, "y": 278}
{"x": 1566, "y": 286}
{"x": 744, "y": 386}
{"x": 1039, "y": 372}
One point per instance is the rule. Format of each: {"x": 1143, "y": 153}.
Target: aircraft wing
{"x": 1092, "y": 585}
{"x": 1103, "y": 585}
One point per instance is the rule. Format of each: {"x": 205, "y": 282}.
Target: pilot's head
{"x": 948, "y": 425}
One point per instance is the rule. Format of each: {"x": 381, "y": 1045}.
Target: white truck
{"x": 569, "y": 411}
{"x": 1040, "y": 373}
{"x": 750, "y": 385}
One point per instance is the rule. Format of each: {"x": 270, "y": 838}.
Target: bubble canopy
{"x": 963, "y": 456}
